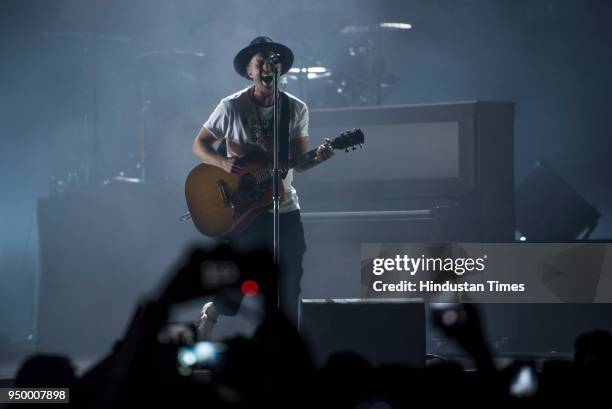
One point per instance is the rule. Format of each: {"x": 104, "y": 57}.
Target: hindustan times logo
{"x": 459, "y": 266}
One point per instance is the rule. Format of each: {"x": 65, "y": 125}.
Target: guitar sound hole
{"x": 249, "y": 192}
{"x": 247, "y": 183}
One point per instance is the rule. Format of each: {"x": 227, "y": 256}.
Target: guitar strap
{"x": 283, "y": 129}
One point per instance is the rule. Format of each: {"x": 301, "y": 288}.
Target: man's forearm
{"x": 207, "y": 154}
{"x": 307, "y": 164}
{"x": 310, "y": 159}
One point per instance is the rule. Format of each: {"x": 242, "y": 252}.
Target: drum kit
{"x": 176, "y": 98}
{"x": 356, "y": 75}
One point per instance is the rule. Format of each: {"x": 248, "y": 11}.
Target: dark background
{"x": 73, "y": 79}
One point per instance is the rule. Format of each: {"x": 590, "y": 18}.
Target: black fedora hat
{"x": 262, "y": 44}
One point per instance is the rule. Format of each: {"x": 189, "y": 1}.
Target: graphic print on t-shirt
{"x": 260, "y": 129}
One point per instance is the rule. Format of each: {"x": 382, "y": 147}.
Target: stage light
{"x": 311, "y": 73}
{"x": 315, "y": 70}
{"x": 395, "y": 26}
{"x": 318, "y": 70}
{"x": 351, "y": 30}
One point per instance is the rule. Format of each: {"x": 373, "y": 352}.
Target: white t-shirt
{"x": 239, "y": 120}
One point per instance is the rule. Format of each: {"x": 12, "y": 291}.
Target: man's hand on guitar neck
{"x": 325, "y": 151}
{"x": 299, "y": 146}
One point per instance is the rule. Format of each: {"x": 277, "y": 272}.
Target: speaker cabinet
{"x": 381, "y": 331}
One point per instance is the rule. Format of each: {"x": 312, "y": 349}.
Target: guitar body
{"x": 222, "y": 204}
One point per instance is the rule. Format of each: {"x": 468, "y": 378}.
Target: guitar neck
{"x": 344, "y": 141}
{"x": 304, "y": 159}
{"x": 265, "y": 174}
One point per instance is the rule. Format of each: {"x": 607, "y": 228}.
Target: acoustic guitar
{"x": 222, "y": 204}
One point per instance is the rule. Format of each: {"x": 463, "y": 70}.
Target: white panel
{"x": 393, "y": 152}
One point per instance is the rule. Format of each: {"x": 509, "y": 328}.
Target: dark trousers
{"x": 260, "y": 235}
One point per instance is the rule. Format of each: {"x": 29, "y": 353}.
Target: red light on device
{"x": 249, "y": 288}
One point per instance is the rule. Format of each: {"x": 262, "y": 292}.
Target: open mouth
{"x": 267, "y": 78}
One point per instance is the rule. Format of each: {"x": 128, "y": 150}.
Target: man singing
{"x": 244, "y": 121}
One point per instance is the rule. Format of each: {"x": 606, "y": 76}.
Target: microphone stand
{"x": 276, "y": 181}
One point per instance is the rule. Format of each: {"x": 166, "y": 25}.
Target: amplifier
{"x": 381, "y": 331}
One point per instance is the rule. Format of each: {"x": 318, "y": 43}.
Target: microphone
{"x": 273, "y": 59}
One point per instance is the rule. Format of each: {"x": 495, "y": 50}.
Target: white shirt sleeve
{"x": 300, "y": 127}
{"x": 219, "y": 121}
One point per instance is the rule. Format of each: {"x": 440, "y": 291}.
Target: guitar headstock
{"x": 349, "y": 139}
